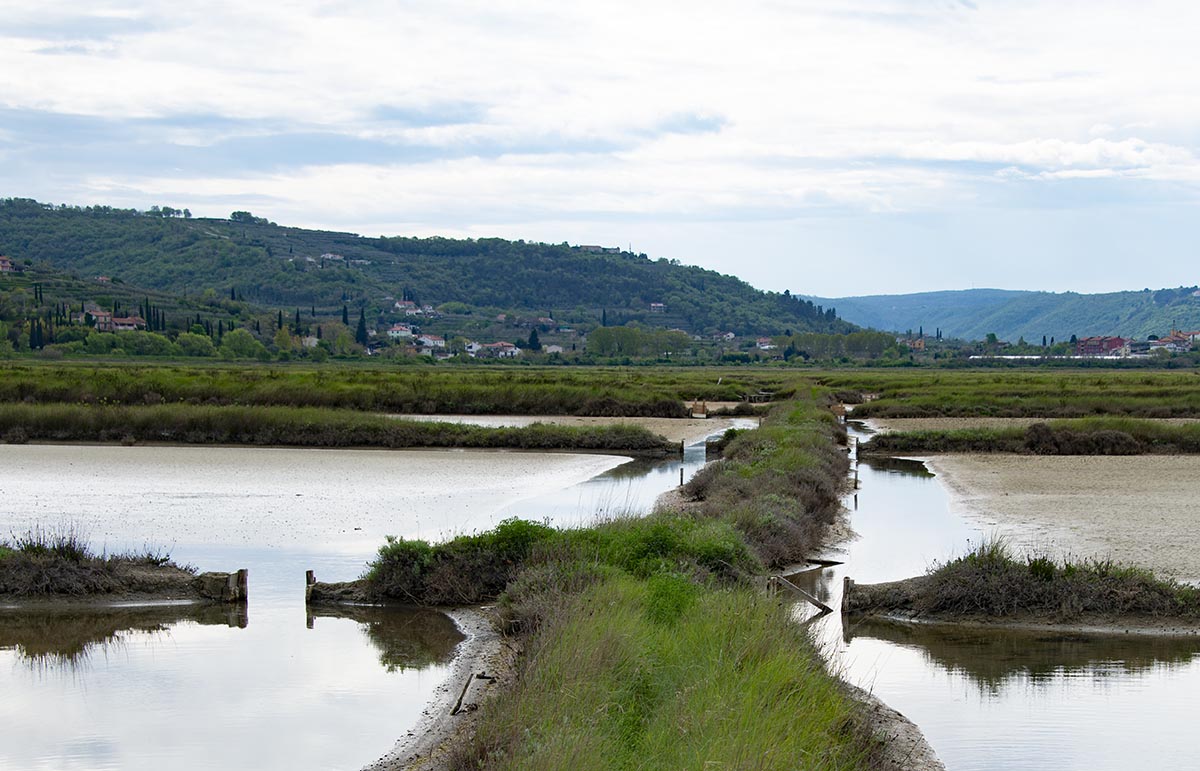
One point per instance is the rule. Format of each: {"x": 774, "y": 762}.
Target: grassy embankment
{"x": 466, "y": 390}
{"x": 1058, "y": 394}
{"x": 992, "y": 582}
{"x": 646, "y": 642}
{"x": 43, "y": 563}
{"x": 1084, "y": 436}
{"x": 301, "y": 427}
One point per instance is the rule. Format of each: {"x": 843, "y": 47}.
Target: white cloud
{"x": 877, "y": 106}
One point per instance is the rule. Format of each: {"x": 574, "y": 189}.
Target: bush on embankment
{"x": 44, "y": 562}
{"x": 1086, "y": 436}
{"x": 990, "y": 581}
{"x": 658, "y": 674}
{"x": 780, "y": 485}
{"x": 302, "y": 427}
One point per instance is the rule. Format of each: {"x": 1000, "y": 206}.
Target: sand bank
{"x": 1141, "y": 510}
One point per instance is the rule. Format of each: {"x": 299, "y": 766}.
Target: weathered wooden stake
{"x": 681, "y": 476}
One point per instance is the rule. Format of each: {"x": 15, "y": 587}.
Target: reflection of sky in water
{"x": 183, "y": 692}
{"x": 998, "y": 700}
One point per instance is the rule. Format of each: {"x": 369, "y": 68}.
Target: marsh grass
{"x": 304, "y": 427}
{"x": 993, "y": 581}
{"x": 1038, "y": 394}
{"x": 462, "y": 390}
{"x": 59, "y": 561}
{"x": 1108, "y": 435}
{"x": 661, "y": 675}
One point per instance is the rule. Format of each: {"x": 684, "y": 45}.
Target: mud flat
{"x": 1139, "y": 510}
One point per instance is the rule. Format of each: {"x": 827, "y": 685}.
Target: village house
{"x": 6, "y": 265}
{"x": 765, "y": 344}
{"x": 431, "y": 341}
{"x": 594, "y": 249}
{"x": 404, "y": 305}
{"x": 1101, "y": 346}
{"x": 472, "y": 348}
{"x": 501, "y": 350}
{"x": 658, "y": 308}
{"x": 400, "y": 332}
{"x": 553, "y": 349}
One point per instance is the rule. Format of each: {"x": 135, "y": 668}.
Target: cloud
{"x": 460, "y": 114}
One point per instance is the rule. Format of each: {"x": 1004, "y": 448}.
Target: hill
{"x": 973, "y": 313}
{"x": 250, "y": 259}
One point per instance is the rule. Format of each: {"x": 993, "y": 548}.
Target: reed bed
{"x": 1085, "y": 436}
{"x": 1057, "y": 394}
{"x": 465, "y": 390}
{"x": 301, "y": 427}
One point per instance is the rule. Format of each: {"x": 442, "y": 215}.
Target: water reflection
{"x": 995, "y": 658}
{"x": 54, "y": 637}
{"x": 406, "y": 638}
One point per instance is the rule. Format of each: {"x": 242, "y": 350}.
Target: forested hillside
{"x": 972, "y": 314}
{"x": 247, "y": 258}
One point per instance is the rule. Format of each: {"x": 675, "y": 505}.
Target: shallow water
{"x": 998, "y": 699}
{"x": 273, "y": 687}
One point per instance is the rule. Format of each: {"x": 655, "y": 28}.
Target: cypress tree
{"x": 345, "y": 314}
{"x": 297, "y": 330}
{"x": 360, "y": 335}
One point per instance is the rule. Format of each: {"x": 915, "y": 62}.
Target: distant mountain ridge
{"x": 1012, "y": 314}
{"x": 248, "y": 258}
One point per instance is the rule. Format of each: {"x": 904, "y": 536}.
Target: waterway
{"x": 997, "y": 700}
{"x": 270, "y": 687}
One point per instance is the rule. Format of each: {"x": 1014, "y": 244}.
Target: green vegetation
{"x": 1085, "y": 436}
{"x": 598, "y": 391}
{"x": 300, "y": 427}
{"x": 252, "y": 260}
{"x": 47, "y": 561}
{"x": 992, "y": 582}
{"x": 655, "y": 675}
{"x": 972, "y": 314}
{"x": 1058, "y": 394}
{"x": 649, "y": 645}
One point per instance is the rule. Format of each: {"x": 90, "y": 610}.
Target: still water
{"x": 999, "y": 699}
{"x": 270, "y": 687}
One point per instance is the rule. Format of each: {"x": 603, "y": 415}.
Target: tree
{"x": 345, "y": 314}
{"x": 360, "y": 334}
{"x": 534, "y": 343}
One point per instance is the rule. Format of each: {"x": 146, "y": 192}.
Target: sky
{"x": 829, "y": 148}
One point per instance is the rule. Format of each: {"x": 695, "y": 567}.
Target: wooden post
{"x": 681, "y": 476}
{"x": 310, "y": 578}
{"x": 847, "y": 587}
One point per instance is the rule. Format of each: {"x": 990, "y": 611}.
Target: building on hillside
{"x": 6, "y": 265}
{"x": 103, "y": 280}
{"x": 594, "y": 249}
{"x": 658, "y": 308}
{"x": 400, "y": 332}
{"x": 553, "y": 349}
{"x": 500, "y": 350}
{"x": 765, "y": 344}
{"x": 431, "y": 341}
{"x": 403, "y": 305}
{"x": 124, "y": 324}
{"x": 1101, "y": 346}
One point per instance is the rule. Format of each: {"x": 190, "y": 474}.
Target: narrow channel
{"x": 989, "y": 700}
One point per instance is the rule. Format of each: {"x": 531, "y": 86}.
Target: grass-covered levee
{"x": 648, "y": 642}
